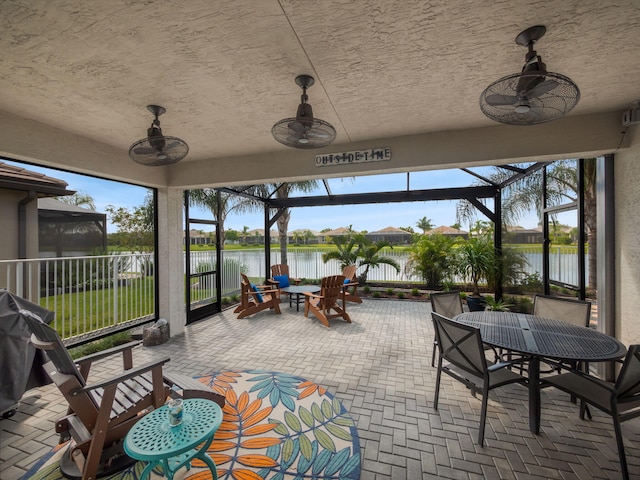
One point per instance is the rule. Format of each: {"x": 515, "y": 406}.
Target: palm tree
{"x": 526, "y": 194}
{"x": 345, "y": 253}
{"x": 79, "y": 199}
{"x": 370, "y": 253}
{"x": 424, "y": 224}
{"x": 282, "y": 191}
{"x": 430, "y": 258}
{"x": 208, "y": 198}
{"x": 244, "y": 234}
{"x": 308, "y": 235}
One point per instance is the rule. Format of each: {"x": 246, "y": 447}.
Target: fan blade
{"x": 542, "y": 88}
{"x": 297, "y": 127}
{"x": 497, "y": 100}
{"x": 171, "y": 145}
{"x": 317, "y": 134}
{"x": 144, "y": 150}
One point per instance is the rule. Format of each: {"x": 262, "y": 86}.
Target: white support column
{"x": 170, "y": 270}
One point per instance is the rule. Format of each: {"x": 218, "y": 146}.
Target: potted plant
{"x": 476, "y": 260}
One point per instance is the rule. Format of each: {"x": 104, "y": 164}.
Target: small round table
{"x": 298, "y": 291}
{"x": 152, "y": 439}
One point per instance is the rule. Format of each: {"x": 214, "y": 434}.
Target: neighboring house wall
{"x": 9, "y": 204}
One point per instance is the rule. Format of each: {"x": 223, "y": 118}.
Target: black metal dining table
{"x": 542, "y": 338}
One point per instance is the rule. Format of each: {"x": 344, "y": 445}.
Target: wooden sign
{"x": 358, "y": 156}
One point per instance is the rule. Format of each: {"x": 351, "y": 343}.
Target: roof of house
{"x": 18, "y": 178}
{"x": 390, "y": 231}
{"x": 444, "y": 230}
{"x": 339, "y": 231}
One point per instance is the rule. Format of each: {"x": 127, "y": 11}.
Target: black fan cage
{"x": 542, "y": 108}
{"x": 293, "y": 133}
{"x": 144, "y": 153}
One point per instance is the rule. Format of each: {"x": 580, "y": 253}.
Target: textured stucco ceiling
{"x": 225, "y": 69}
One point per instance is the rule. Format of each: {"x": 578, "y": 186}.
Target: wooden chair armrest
{"x": 263, "y": 290}
{"x": 107, "y": 353}
{"x": 273, "y": 282}
{"x": 134, "y": 372}
{"x": 314, "y": 295}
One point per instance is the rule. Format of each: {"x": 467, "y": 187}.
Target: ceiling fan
{"x": 158, "y": 149}
{"x": 304, "y": 131}
{"x": 532, "y": 96}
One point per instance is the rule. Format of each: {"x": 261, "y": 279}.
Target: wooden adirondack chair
{"x": 351, "y": 288}
{"x": 100, "y": 414}
{"x": 280, "y": 277}
{"x": 331, "y": 290}
{"x": 256, "y": 298}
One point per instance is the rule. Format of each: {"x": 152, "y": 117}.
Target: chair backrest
{"x": 349, "y": 272}
{"x": 49, "y": 340}
{"x": 245, "y": 287}
{"x": 331, "y": 289}
{"x": 576, "y": 312}
{"x": 628, "y": 381}
{"x": 447, "y": 304}
{"x": 460, "y": 345}
{"x": 279, "y": 269}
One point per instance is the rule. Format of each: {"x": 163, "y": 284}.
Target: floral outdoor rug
{"x": 275, "y": 426}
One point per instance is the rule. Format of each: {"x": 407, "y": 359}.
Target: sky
{"x": 360, "y": 217}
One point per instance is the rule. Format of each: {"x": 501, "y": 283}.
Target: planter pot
{"x": 476, "y": 304}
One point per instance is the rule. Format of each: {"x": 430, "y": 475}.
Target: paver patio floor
{"x": 379, "y": 366}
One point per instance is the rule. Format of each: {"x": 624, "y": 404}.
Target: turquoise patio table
{"x": 152, "y": 439}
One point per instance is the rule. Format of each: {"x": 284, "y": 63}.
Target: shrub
{"x": 430, "y": 258}
{"x": 375, "y": 294}
{"x": 496, "y": 305}
{"x": 367, "y": 289}
{"x": 400, "y": 295}
{"x": 389, "y": 291}
{"x": 100, "y": 345}
{"x": 415, "y": 292}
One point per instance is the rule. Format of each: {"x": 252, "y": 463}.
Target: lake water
{"x": 306, "y": 263}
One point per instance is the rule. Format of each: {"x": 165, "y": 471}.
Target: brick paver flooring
{"x": 379, "y": 366}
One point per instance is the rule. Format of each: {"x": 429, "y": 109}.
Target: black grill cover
{"x": 20, "y": 362}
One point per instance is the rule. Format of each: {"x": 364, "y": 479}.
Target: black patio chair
{"x": 570, "y": 310}
{"x": 447, "y": 304}
{"x": 461, "y": 346}
{"x": 621, "y": 399}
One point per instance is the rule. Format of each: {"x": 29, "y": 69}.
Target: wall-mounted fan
{"x": 533, "y": 95}
{"x": 304, "y": 131}
{"x": 158, "y": 149}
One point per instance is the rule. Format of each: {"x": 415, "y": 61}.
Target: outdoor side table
{"x": 152, "y": 439}
{"x": 299, "y": 291}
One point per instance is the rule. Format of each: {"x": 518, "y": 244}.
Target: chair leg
{"x": 619, "y": 441}
{"x": 483, "y": 416}
{"x": 433, "y": 354}
{"x": 437, "y": 393}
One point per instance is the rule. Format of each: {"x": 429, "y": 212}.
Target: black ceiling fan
{"x": 304, "y": 131}
{"x": 532, "y": 96}
{"x": 158, "y": 149}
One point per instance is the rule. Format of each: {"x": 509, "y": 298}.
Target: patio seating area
{"x": 379, "y": 366}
